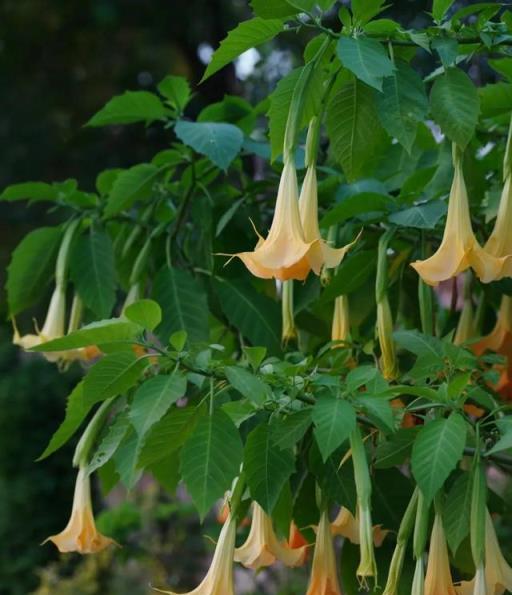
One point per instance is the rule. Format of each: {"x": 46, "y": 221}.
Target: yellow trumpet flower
{"x": 284, "y": 253}
{"x": 497, "y": 571}
{"x": 346, "y": 525}
{"x": 321, "y": 255}
{"x": 500, "y": 240}
{"x": 438, "y": 578}
{"x": 219, "y": 578}
{"x": 324, "y": 574}
{"x": 459, "y": 248}
{"x": 80, "y": 534}
{"x": 340, "y": 330}
{"x": 263, "y": 548}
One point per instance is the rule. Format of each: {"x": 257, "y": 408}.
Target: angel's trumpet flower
{"x": 340, "y": 330}
{"x": 284, "y": 253}
{"x": 219, "y": 578}
{"x": 263, "y": 548}
{"x": 324, "y": 574}
{"x": 80, "y": 534}
{"x": 438, "y": 578}
{"x": 459, "y": 248}
{"x": 346, "y": 525}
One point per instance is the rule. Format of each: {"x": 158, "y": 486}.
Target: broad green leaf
{"x": 361, "y": 376}
{"x": 169, "y": 434}
{"x": 176, "y": 90}
{"x": 365, "y": 10}
{"x": 396, "y": 449}
{"x": 106, "y": 179}
{"x": 255, "y": 355}
{"x": 436, "y": 452}
{"x": 110, "y": 442}
{"x": 354, "y": 205}
{"x": 366, "y": 58}
{"x": 503, "y": 66}
{"x": 232, "y": 109}
{"x": 334, "y": 420}
{"x": 113, "y": 375}
{"x": 447, "y": 48}
{"x": 131, "y": 185}
{"x": 147, "y": 313}
{"x": 353, "y": 126}
{"x": 495, "y": 99}
{"x": 167, "y": 472}
{"x": 218, "y": 141}
{"x": 31, "y": 268}
{"x": 285, "y": 433}
{"x": 126, "y": 457}
{"x": 272, "y": 9}
{"x": 32, "y": 191}
{"x": 93, "y": 272}
{"x": 249, "y": 385}
{"x": 457, "y": 511}
{"x": 184, "y": 305}
{"x": 153, "y": 399}
{"x": 211, "y": 459}
{"x": 418, "y": 343}
{"x": 96, "y": 333}
{"x": 257, "y": 317}
{"x": 402, "y": 104}
{"x": 130, "y": 107}
{"x": 455, "y": 105}
{"x": 267, "y": 467}
{"x": 239, "y": 411}
{"x": 424, "y": 216}
{"x": 178, "y": 340}
{"x": 76, "y": 411}
{"x": 352, "y": 273}
{"x": 439, "y": 8}
{"x": 245, "y": 36}
{"x": 378, "y": 410}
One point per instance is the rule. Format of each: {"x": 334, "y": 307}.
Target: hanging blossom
{"x": 219, "y": 578}
{"x": 324, "y": 574}
{"x": 438, "y": 578}
{"x": 459, "y": 248}
{"x": 80, "y": 534}
{"x": 340, "y": 330}
{"x": 263, "y": 548}
{"x": 346, "y": 525}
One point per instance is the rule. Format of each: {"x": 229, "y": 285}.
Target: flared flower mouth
{"x": 263, "y": 548}
{"x": 324, "y": 574}
{"x": 347, "y": 525}
{"x": 80, "y": 534}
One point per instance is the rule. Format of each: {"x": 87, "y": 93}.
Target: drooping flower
{"x": 295, "y": 538}
{"x": 324, "y": 573}
{"x": 388, "y": 359}
{"x": 459, "y": 248}
{"x": 340, "y": 330}
{"x": 438, "y": 578}
{"x": 263, "y": 548}
{"x": 284, "y": 253}
{"x": 500, "y": 241}
{"x": 219, "y": 578}
{"x": 498, "y": 573}
{"x": 346, "y": 525}
{"x": 80, "y": 534}
{"x": 321, "y": 255}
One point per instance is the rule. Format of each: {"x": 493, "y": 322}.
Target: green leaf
{"x": 267, "y": 467}
{"x": 239, "y": 411}
{"x": 130, "y": 107}
{"x": 184, "y": 305}
{"x": 110, "y": 442}
{"x": 285, "y": 433}
{"x": 505, "y": 442}
{"x": 169, "y": 434}
{"x": 354, "y": 205}
{"x": 495, "y": 99}
{"x": 253, "y": 314}
{"x": 32, "y": 191}
{"x": 362, "y": 376}
{"x": 418, "y": 343}
{"x": 96, "y": 333}
{"x": 176, "y": 90}
{"x": 378, "y": 409}
{"x": 352, "y": 123}
{"x": 366, "y": 58}
{"x": 134, "y": 184}
{"x": 334, "y": 420}
{"x": 352, "y": 273}
{"x": 439, "y": 8}
{"x": 93, "y": 272}
{"x": 457, "y": 511}
{"x": 76, "y": 412}
{"x": 153, "y": 399}
{"x": 31, "y": 268}
{"x": 249, "y": 385}
{"x": 126, "y": 457}
{"x": 167, "y": 472}
{"x": 402, "y": 104}
{"x": 436, "y": 452}
{"x": 255, "y": 355}
{"x": 396, "y": 449}
{"x": 220, "y": 142}
{"x": 211, "y": 459}
{"x": 455, "y": 105}
{"x": 147, "y": 313}
{"x": 272, "y": 9}
{"x": 113, "y": 375}
{"x": 424, "y": 216}
{"x": 365, "y": 10}
{"x": 245, "y": 36}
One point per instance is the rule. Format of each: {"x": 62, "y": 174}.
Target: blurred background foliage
{"x": 60, "y": 61}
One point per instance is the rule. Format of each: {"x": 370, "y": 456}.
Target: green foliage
{"x": 130, "y": 107}
{"x": 366, "y": 58}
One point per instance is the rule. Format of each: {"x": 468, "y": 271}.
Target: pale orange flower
{"x": 80, "y": 534}
{"x": 324, "y": 573}
{"x": 346, "y": 525}
{"x": 263, "y": 548}
{"x": 295, "y": 538}
{"x": 438, "y": 578}
{"x": 500, "y": 240}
